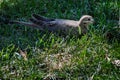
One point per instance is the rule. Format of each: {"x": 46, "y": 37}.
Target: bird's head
{"x": 86, "y": 20}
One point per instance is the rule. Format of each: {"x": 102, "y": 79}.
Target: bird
{"x": 64, "y": 26}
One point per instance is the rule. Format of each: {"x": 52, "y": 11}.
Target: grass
{"x": 87, "y": 59}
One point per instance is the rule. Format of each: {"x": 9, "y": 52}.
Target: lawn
{"x": 51, "y": 56}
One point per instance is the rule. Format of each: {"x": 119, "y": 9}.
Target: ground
{"x": 29, "y": 53}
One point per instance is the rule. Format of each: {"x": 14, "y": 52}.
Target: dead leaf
{"x": 116, "y": 63}
{"x": 23, "y": 54}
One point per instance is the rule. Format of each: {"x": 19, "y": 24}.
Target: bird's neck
{"x": 83, "y": 28}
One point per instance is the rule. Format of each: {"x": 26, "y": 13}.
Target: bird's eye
{"x": 88, "y": 19}
{"x": 84, "y": 23}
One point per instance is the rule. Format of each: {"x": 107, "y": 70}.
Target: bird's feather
{"x": 39, "y": 17}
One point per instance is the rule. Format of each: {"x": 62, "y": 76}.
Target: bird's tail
{"x": 26, "y": 24}
{"x": 8, "y": 21}
{"x": 22, "y": 23}
{"x": 4, "y": 20}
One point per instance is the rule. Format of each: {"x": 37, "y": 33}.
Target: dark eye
{"x": 88, "y": 19}
{"x": 84, "y": 23}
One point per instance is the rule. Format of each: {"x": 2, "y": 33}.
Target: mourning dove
{"x": 59, "y": 25}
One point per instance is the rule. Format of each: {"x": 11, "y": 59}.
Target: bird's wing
{"x": 57, "y": 23}
{"x": 39, "y": 17}
{"x": 44, "y": 23}
{"x": 49, "y": 25}
{"x": 40, "y": 20}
